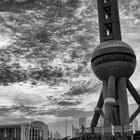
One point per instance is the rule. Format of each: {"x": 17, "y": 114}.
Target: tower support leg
{"x": 116, "y": 119}
{"x": 99, "y": 106}
{"x": 109, "y": 101}
{"x": 109, "y": 105}
{"x": 133, "y": 92}
{"x": 123, "y": 102}
{"x": 97, "y": 111}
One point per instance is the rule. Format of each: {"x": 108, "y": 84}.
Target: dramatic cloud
{"x": 68, "y": 103}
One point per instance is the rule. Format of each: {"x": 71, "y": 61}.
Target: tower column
{"x": 109, "y": 102}
{"x": 123, "y": 102}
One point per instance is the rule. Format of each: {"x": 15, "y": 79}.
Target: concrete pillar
{"x": 109, "y": 101}
{"x": 22, "y": 132}
{"x": 28, "y": 132}
{"x": 15, "y": 133}
{"x": 108, "y": 106}
{"x": 116, "y": 112}
{"x": 123, "y": 101}
{"x": 104, "y": 89}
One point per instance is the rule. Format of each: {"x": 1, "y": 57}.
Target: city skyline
{"x": 77, "y": 97}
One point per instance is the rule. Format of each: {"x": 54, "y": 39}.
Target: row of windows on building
{"x": 15, "y": 134}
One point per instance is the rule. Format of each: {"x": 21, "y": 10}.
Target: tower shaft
{"x": 109, "y": 23}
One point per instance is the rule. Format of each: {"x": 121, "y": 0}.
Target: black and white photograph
{"x": 69, "y": 69}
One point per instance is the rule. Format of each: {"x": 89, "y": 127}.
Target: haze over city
{"x": 58, "y": 82}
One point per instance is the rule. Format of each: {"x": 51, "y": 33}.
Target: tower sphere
{"x": 113, "y": 58}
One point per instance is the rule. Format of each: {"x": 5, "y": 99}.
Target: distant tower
{"x": 82, "y": 122}
{"x": 113, "y": 62}
{"x": 51, "y": 136}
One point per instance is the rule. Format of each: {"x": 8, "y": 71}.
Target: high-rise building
{"x": 82, "y": 122}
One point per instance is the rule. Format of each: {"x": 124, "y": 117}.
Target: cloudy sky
{"x": 74, "y": 97}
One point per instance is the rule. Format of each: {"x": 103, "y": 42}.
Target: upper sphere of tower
{"x": 113, "y": 58}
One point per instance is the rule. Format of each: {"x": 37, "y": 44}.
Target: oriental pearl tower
{"x": 113, "y": 62}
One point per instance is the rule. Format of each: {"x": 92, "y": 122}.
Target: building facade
{"x": 36, "y": 130}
